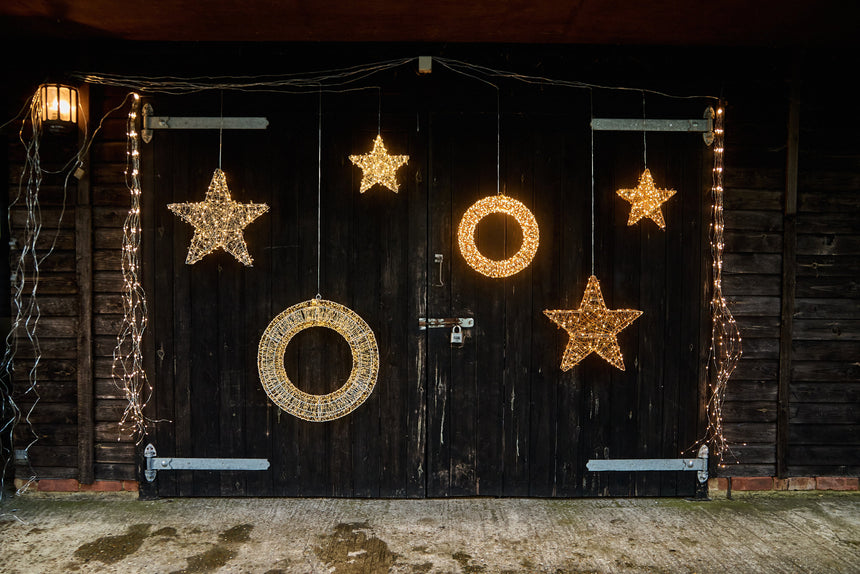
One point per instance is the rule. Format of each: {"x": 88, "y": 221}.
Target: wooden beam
{"x": 789, "y": 279}
{"x": 84, "y": 272}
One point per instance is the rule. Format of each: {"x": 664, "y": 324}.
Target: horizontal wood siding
{"x": 754, "y": 190}
{"x": 825, "y": 374}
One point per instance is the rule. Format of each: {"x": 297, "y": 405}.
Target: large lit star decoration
{"x": 379, "y": 167}
{"x": 218, "y": 222}
{"x": 646, "y": 200}
{"x": 593, "y": 328}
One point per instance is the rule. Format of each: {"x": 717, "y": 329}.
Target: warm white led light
{"x": 379, "y": 167}
{"x": 127, "y": 366}
{"x": 318, "y": 313}
{"x": 593, "y": 328}
{"x": 507, "y": 206}
{"x": 646, "y": 199}
{"x": 218, "y": 222}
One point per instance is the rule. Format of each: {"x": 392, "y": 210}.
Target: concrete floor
{"x": 777, "y": 532}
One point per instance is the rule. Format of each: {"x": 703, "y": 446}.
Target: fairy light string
{"x": 726, "y": 344}
{"x": 25, "y": 279}
{"x": 127, "y": 370}
{"x": 25, "y": 273}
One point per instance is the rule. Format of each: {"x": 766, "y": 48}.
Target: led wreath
{"x": 508, "y": 206}
{"x": 318, "y": 313}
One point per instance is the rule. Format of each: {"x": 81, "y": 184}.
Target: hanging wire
{"x": 221, "y": 131}
{"x": 591, "y": 125}
{"x": 26, "y": 272}
{"x": 379, "y": 112}
{"x": 319, "y": 191}
{"x": 333, "y": 80}
{"x": 498, "y": 142}
{"x": 644, "y": 134}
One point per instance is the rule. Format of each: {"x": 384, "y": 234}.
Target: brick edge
{"x": 797, "y": 483}
{"x": 72, "y": 485}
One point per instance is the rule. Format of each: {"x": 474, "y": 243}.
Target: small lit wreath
{"x": 318, "y": 313}
{"x": 508, "y": 206}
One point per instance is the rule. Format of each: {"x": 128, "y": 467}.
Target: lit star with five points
{"x": 646, "y": 200}
{"x": 592, "y": 328}
{"x": 218, "y": 222}
{"x": 379, "y": 167}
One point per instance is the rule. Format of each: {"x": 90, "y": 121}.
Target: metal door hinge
{"x": 705, "y": 125}
{"x": 699, "y": 464}
{"x": 154, "y": 463}
{"x": 151, "y": 122}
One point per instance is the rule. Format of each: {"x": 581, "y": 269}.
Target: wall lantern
{"x": 59, "y": 107}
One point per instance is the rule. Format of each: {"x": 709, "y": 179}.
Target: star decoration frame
{"x": 646, "y": 199}
{"x": 362, "y": 344}
{"x": 593, "y": 328}
{"x": 379, "y": 167}
{"x": 218, "y": 222}
{"x": 508, "y": 206}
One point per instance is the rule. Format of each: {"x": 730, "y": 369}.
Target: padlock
{"x": 456, "y": 335}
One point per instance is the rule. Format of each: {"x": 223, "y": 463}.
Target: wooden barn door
{"x": 502, "y": 418}
{"x": 495, "y": 416}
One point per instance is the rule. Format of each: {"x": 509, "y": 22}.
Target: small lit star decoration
{"x": 318, "y": 313}
{"x": 379, "y": 167}
{"x": 593, "y": 328}
{"x": 508, "y": 206}
{"x": 218, "y": 222}
{"x": 646, "y": 200}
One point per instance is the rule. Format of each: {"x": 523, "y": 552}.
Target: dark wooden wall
{"x": 79, "y": 298}
{"x": 791, "y": 280}
{"x": 792, "y": 212}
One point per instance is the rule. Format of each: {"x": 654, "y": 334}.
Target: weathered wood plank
{"x": 762, "y": 221}
{"x": 766, "y": 263}
{"x": 739, "y": 390}
{"x": 815, "y": 413}
{"x": 825, "y": 371}
{"x": 821, "y": 308}
{"x": 753, "y": 242}
{"x": 751, "y": 327}
{"x": 825, "y": 350}
{"x": 841, "y": 222}
{"x": 107, "y": 260}
{"x": 789, "y": 274}
{"x": 116, "y": 471}
{"x": 826, "y": 392}
{"x": 115, "y": 452}
{"x": 107, "y": 282}
{"x": 828, "y": 287}
{"x": 750, "y": 411}
{"x": 821, "y": 455}
{"x": 757, "y": 306}
{"x": 738, "y": 433}
{"x": 827, "y": 244}
{"x": 824, "y": 434}
{"x": 731, "y": 468}
{"x": 827, "y": 329}
{"x": 420, "y": 275}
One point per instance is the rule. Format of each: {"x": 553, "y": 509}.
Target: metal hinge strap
{"x": 155, "y": 463}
